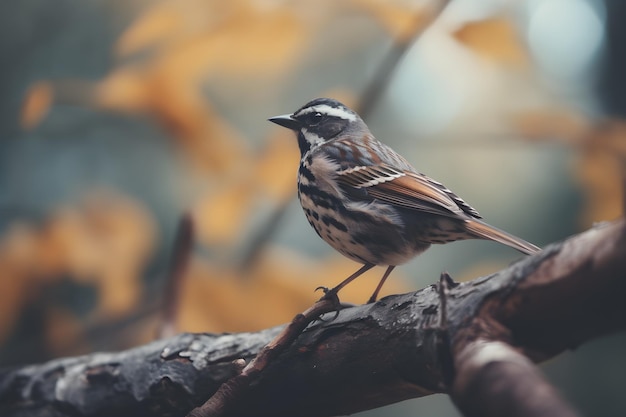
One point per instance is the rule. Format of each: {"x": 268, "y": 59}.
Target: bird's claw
{"x": 330, "y": 295}
{"x": 324, "y": 289}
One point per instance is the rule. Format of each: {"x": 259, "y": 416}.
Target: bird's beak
{"x": 286, "y": 120}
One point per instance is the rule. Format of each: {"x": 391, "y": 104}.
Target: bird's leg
{"x": 332, "y": 293}
{"x": 380, "y": 284}
{"x": 352, "y": 277}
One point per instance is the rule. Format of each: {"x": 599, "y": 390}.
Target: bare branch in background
{"x": 181, "y": 254}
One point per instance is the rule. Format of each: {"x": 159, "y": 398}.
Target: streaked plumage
{"x": 367, "y": 201}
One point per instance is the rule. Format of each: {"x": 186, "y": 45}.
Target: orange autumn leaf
{"x": 126, "y": 89}
{"x": 36, "y": 104}
{"x": 177, "y": 104}
{"x": 494, "y": 38}
{"x": 196, "y": 39}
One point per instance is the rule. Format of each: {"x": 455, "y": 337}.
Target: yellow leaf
{"x": 128, "y": 88}
{"x": 36, "y": 105}
{"x": 177, "y": 103}
{"x": 495, "y": 39}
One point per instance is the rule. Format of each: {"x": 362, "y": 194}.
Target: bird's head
{"x": 319, "y": 121}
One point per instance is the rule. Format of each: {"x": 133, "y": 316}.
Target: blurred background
{"x": 117, "y": 117}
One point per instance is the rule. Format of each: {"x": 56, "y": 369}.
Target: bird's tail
{"x": 485, "y": 231}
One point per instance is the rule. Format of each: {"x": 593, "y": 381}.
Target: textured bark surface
{"x": 475, "y": 340}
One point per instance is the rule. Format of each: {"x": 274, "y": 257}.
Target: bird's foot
{"x": 331, "y": 296}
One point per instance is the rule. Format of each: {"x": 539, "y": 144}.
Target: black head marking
{"x": 319, "y": 121}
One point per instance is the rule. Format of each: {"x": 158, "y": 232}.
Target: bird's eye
{"x": 315, "y": 118}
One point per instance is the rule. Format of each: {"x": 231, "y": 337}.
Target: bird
{"x": 367, "y": 201}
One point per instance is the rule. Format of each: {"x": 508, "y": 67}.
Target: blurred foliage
{"x": 495, "y": 39}
{"x": 103, "y": 241}
{"x": 167, "y": 67}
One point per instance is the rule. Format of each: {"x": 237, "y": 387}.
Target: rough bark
{"x": 475, "y": 340}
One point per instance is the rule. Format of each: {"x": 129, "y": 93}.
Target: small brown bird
{"x": 367, "y": 202}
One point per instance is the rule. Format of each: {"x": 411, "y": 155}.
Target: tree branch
{"x": 479, "y": 349}
{"x": 494, "y": 380}
{"x": 231, "y": 391}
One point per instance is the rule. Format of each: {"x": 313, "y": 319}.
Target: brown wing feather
{"x": 411, "y": 193}
{"x": 406, "y": 189}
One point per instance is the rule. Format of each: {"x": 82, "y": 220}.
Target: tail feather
{"x": 485, "y": 231}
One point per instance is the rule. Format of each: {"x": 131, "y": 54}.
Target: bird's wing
{"x": 405, "y": 189}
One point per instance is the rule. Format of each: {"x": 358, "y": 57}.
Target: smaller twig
{"x": 232, "y": 390}
{"x": 181, "y": 253}
{"x": 446, "y": 362}
{"x": 445, "y": 284}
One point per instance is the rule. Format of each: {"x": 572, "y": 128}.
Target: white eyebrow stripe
{"x": 331, "y": 111}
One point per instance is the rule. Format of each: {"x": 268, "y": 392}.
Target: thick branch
{"x": 232, "y": 390}
{"x": 403, "y": 346}
{"x": 494, "y": 380}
